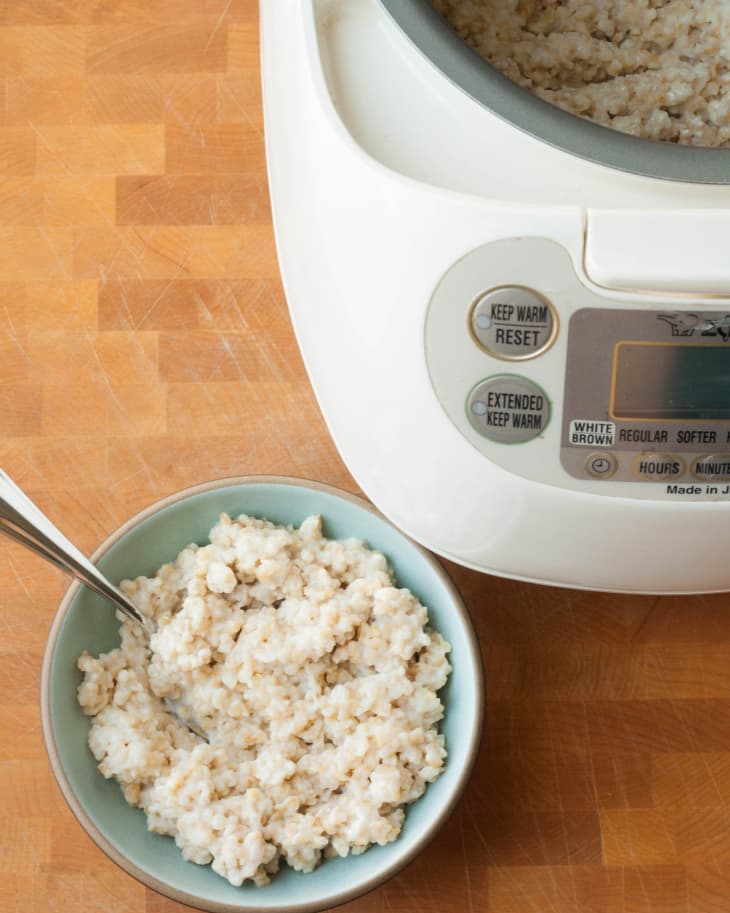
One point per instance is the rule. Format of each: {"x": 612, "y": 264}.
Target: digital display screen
{"x": 671, "y": 381}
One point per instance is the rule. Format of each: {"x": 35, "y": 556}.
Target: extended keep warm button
{"x": 508, "y": 409}
{"x": 658, "y": 467}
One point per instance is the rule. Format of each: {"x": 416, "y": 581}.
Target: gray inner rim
{"x": 464, "y": 67}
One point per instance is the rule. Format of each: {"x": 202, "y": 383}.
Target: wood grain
{"x": 145, "y": 346}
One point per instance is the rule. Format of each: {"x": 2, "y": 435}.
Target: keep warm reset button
{"x": 508, "y": 409}
{"x": 513, "y": 323}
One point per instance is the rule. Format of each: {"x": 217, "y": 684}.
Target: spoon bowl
{"x": 153, "y": 538}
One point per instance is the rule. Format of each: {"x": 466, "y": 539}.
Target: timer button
{"x": 714, "y": 468}
{"x": 601, "y": 465}
{"x": 658, "y": 467}
{"x": 513, "y": 323}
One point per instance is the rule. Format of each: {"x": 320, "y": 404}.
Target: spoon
{"x": 22, "y": 521}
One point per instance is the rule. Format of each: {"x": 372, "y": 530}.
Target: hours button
{"x": 658, "y": 467}
{"x": 513, "y": 323}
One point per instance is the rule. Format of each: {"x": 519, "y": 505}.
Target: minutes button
{"x": 713, "y": 468}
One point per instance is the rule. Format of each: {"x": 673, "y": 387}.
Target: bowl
{"x": 85, "y": 621}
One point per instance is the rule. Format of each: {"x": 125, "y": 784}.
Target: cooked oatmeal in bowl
{"x": 331, "y": 664}
{"x": 315, "y": 678}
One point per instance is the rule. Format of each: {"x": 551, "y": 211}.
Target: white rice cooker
{"x": 516, "y": 322}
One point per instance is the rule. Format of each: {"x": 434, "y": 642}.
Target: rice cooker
{"x": 516, "y": 322}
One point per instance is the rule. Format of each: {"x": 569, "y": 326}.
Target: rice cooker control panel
{"x": 560, "y": 384}
{"x": 647, "y": 392}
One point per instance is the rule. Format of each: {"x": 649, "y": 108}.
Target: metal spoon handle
{"x": 22, "y": 521}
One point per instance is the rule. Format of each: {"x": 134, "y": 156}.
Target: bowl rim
{"x": 338, "y": 897}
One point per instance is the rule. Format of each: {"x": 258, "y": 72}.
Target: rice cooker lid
{"x": 432, "y": 35}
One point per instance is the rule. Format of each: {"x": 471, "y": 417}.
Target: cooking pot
{"x": 433, "y": 36}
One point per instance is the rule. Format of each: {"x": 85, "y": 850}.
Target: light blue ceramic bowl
{"x": 85, "y": 621}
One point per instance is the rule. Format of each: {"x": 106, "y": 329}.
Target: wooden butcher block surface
{"x": 145, "y": 345}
